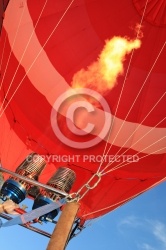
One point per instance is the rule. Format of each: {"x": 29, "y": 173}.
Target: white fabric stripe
{"x": 51, "y": 84}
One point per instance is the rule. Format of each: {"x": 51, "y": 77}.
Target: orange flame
{"x": 102, "y": 74}
{"x": 138, "y": 30}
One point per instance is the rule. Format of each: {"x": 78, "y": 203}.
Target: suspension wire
{"x": 123, "y": 85}
{"x": 113, "y": 205}
{"x": 100, "y": 173}
{"x": 128, "y": 163}
{"x": 144, "y": 136}
{"x": 97, "y": 174}
{"x": 122, "y": 165}
{"x": 125, "y": 200}
{"x": 65, "y": 12}
{"x": 49, "y": 37}
{"x": 39, "y": 52}
{"x": 141, "y": 124}
{"x": 137, "y": 98}
{"x": 12, "y": 46}
{"x": 109, "y": 164}
{"x": 23, "y": 54}
{"x": 19, "y": 65}
{"x": 90, "y": 222}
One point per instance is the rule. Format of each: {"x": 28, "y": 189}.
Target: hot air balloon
{"x": 107, "y": 129}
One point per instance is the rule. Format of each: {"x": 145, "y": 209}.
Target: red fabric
{"x": 76, "y": 43}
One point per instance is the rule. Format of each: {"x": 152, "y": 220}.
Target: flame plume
{"x": 102, "y": 74}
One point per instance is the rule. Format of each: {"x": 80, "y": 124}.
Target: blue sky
{"x": 139, "y": 225}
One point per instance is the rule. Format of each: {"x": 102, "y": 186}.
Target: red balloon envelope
{"x": 43, "y": 45}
